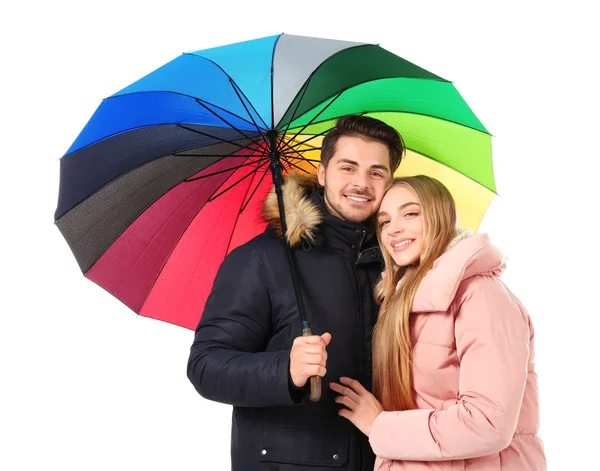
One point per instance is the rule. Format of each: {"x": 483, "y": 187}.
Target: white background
{"x": 89, "y": 385}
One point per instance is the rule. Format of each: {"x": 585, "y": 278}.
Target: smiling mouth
{"x": 358, "y": 199}
{"x": 402, "y": 245}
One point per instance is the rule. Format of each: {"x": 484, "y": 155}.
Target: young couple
{"x": 426, "y": 357}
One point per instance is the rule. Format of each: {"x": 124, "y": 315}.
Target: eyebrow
{"x": 355, "y": 163}
{"x": 400, "y": 208}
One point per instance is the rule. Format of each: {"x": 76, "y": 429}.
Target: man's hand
{"x": 362, "y": 407}
{"x": 308, "y": 358}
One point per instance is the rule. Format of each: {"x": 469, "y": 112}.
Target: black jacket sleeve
{"x": 228, "y": 362}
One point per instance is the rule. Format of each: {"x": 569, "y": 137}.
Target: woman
{"x": 453, "y": 352}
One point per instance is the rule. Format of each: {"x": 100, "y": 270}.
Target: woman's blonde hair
{"x": 392, "y": 378}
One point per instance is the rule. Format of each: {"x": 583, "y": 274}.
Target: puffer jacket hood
{"x": 301, "y": 214}
{"x": 466, "y": 258}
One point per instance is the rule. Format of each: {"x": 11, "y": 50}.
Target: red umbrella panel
{"x": 163, "y": 265}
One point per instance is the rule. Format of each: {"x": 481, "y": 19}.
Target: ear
{"x": 321, "y": 174}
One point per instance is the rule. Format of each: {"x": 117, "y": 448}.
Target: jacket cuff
{"x": 297, "y": 395}
{"x": 404, "y": 435}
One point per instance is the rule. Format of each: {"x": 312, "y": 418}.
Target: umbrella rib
{"x": 266, "y": 172}
{"x": 318, "y": 135}
{"x": 159, "y": 273}
{"x": 214, "y": 197}
{"x": 272, "y": 79}
{"x": 239, "y": 91}
{"x": 220, "y": 155}
{"x": 231, "y": 113}
{"x": 311, "y": 147}
{"x": 311, "y": 138}
{"x": 298, "y": 104}
{"x": 231, "y": 80}
{"x": 316, "y": 116}
{"x": 235, "y": 89}
{"x": 214, "y": 137}
{"x": 287, "y": 155}
{"x": 115, "y": 208}
{"x": 440, "y": 79}
{"x": 242, "y": 209}
{"x": 296, "y": 151}
{"x": 180, "y": 94}
{"x": 453, "y": 169}
{"x": 302, "y": 159}
{"x": 165, "y": 260}
{"x": 228, "y": 123}
{"x": 112, "y": 180}
{"x": 192, "y": 179}
{"x": 294, "y": 165}
{"x": 285, "y": 143}
{"x": 362, "y": 113}
{"x": 226, "y": 248}
{"x": 312, "y": 74}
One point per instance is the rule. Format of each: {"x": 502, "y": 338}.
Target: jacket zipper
{"x": 360, "y": 306}
{"x": 361, "y": 315}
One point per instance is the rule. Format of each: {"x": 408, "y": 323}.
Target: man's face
{"x": 355, "y": 178}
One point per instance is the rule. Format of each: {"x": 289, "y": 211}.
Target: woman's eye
{"x": 411, "y": 214}
{"x": 383, "y": 223}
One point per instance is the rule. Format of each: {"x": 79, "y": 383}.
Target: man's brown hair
{"x": 367, "y": 128}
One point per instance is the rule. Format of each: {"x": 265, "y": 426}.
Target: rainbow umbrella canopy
{"x": 169, "y": 174}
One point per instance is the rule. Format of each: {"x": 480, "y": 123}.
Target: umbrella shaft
{"x": 276, "y": 170}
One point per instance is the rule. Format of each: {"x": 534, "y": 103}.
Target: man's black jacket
{"x": 240, "y": 355}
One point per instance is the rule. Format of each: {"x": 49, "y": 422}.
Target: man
{"x": 247, "y": 350}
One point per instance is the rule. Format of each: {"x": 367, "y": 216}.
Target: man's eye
{"x": 377, "y": 174}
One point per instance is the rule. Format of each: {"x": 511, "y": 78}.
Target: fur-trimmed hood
{"x": 468, "y": 256}
{"x": 301, "y": 214}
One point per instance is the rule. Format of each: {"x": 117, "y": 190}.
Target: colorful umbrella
{"x": 170, "y": 173}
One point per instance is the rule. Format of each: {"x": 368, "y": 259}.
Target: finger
{"x": 314, "y": 370}
{"x": 326, "y": 337}
{"x": 354, "y": 385}
{"x": 346, "y": 401}
{"x": 344, "y": 391}
{"x": 346, "y": 413}
{"x": 311, "y": 348}
{"x": 312, "y": 359}
{"x": 309, "y": 339}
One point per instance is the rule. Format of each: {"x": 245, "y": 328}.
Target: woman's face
{"x": 401, "y": 223}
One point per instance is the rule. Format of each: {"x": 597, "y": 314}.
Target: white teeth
{"x": 358, "y": 200}
{"x": 402, "y": 244}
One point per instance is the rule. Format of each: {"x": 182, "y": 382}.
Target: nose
{"x": 394, "y": 227}
{"x": 361, "y": 180}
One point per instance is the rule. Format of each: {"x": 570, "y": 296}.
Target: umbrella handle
{"x": 315, "y": 388}
{"x": 315, "y": 381}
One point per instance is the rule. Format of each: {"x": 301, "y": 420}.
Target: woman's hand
{"x": 362, "y": 407}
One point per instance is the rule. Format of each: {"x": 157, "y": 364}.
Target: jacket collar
{"x": 467, "y": 256}
{"x": 310, "y": 224}
{"x": 340, "y": 234}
